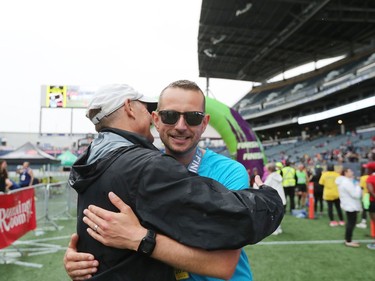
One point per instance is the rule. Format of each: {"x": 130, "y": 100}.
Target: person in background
{"x": 279, "y": 166}
{"x": 9, "y": 183}
{"x": 265, "y": 173}
{"x": 26, "y": 175}
{"x": 331, "y": 194}
{"x": 301, "y": 186}
{"x": 350, "y": 199}
{"x": 275, "y": 180}
{"x": 4, "y": 181}
{"x": 254, "y": 173}
{"x": 371, "y": 189}
{"x": 365, "y": 197}
{"x": 289, "y": 176}
{"x": 318, "y": 189}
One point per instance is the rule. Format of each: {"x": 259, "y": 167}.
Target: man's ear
{"x": 205, "y": 121}
{"x": 155, "y": 119}
{"x": 129, "y": 108}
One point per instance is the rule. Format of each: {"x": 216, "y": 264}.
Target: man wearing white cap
{"x": 194, "y": 211}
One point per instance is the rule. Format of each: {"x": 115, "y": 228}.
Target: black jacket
{"x": 193, "y": 210}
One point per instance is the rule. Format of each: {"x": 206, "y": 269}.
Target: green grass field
{"x": 307, "y": 250}
{"x": 311, "y": 250}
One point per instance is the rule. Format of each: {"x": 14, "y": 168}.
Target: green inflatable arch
{"x": 223, "y": 122}
{"x": 241, "y": 141}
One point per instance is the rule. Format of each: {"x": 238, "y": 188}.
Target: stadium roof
{"x": 255, "y": 40}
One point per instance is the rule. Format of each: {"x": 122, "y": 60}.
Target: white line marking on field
{"x": 311, "y": 242}
{"x": 35, "y": 247}
{"x": 42, "y": 240}
{"x": 27, "y": 264}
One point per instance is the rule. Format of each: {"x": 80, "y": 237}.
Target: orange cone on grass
{"x": 311, "y": 201}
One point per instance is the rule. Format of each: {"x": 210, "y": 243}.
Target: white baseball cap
{"x": 111, "y": 97}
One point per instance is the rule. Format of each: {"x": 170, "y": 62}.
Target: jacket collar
{"x": 132, "y": 137}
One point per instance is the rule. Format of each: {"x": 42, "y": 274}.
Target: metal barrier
{"x": 54, "y": 201}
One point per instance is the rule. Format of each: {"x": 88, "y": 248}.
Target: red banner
{"x": 17, "y": 215}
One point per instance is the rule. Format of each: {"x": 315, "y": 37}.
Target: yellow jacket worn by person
{"x": 363, "y": 184}
{"x": 330, "y": 191}
{"x": 289, "y": 176}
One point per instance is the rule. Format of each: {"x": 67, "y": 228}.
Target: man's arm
{"x": 8, "y": 184}
{"x": 220, "y": 263}
{"x": 79, "y": 266}
{"x": 208, "y": 214}
{"x": 31, "y": 173}
{"x": 123, "y": 230}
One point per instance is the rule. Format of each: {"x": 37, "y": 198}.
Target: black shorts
{"x": 301, "y": 187}
{"x": 371, "y": 208}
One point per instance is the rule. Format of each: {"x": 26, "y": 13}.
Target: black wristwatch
{"x": 148, "y": 243}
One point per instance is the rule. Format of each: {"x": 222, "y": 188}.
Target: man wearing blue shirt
{"x": 181, "y": 120}
{"x": 181, "y": 141}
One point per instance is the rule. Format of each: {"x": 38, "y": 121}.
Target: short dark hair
{"x": 330, "y": 167}
{"x": 344, "y": 171}
{"x": 186, "y": 85}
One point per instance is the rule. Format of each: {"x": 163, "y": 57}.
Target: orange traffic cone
{"x": 311, "y": 201}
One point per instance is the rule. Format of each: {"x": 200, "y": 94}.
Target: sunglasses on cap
{"x": 192, "y": 118}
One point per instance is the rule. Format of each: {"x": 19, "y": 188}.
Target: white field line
{"x": 10, "y": 255}
{"x": 311, "y": 242}
{"x": 42, "y": 240}
{"x": 16, "y": 262}
{"x": 36, "y": 246}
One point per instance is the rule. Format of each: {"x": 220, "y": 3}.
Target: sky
{"x": 146, "y": 44}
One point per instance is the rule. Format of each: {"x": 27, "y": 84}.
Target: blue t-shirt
{"x": 25, "y": 178}
{"x": 234, "y": 176}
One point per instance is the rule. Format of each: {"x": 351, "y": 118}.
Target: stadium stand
{"x": 269, "y": 38}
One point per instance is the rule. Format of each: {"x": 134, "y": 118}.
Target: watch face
{"x": 147, "y": 246}
{"x": 148, "y": 243}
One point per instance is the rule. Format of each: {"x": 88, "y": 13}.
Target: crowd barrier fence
{"x": 54, "y": 201}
